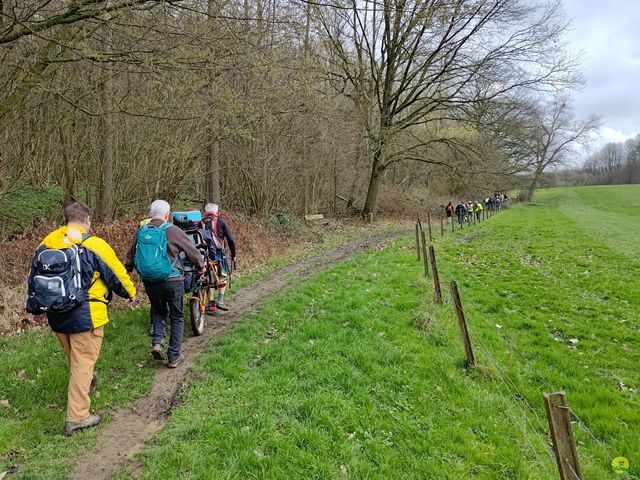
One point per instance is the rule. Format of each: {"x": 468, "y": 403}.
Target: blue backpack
{"x": 55, "y": 281}
{"x": 151, "y": 259}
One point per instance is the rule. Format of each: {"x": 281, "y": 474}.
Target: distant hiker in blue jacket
{"x": 461, "y": 212}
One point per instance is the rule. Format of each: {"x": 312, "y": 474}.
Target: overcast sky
{"x": 607, "y": 32}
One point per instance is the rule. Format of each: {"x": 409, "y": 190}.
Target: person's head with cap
{"x": 211, "y": 209}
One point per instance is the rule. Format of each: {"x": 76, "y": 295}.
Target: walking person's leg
{"x": 158, "y": 312}
{"x": 66, "y": 344}
{"x": 83, "y": 354}
{"x": 224, "y": 272}
{"x": 174, "y": 294}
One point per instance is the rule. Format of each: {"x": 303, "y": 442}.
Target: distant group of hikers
{"x": 75, "y": 273}
{"x": 465, "y": 212}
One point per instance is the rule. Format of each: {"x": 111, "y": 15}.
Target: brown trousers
{"x": 82, "y": 350}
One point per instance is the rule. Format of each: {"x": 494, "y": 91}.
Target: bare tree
{"x": 552, "y": 136}
{"x": 407, "y": 63}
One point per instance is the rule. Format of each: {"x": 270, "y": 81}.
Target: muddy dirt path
{"x": 126, "y": 435}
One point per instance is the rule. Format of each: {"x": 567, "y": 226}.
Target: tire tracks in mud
{"x": 132, "y": 427}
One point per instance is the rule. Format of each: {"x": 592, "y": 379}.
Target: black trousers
{"x": 167, "y": 299}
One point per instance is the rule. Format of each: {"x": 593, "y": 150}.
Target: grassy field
{"x": 356, "y": 374}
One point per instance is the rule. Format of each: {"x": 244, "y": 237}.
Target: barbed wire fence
{"x": 518, "y": 406}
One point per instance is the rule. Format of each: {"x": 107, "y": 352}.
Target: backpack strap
{"x": 165, "y": 226}
{"x": 214, "y": 222}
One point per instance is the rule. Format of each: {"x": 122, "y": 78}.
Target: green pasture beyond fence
{"x": 561, "y": 448}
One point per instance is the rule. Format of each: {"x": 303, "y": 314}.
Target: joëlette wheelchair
{"x": 198, "y": 285}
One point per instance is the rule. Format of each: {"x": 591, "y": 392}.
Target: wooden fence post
{"x": 424, "y": 255}
{"x": 452, "y": 223}
{"x": 462, "y": 322}
{"x": 441, "y": 226}
{"x": 564, "y": 443}
{"x": 418, "y": 240}
{"x": 436, "y": 277}
{"x": 429, "y": 225}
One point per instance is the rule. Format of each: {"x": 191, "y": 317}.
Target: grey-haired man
{"x": 217, "y": 231}
{"x": 167, "y": 296}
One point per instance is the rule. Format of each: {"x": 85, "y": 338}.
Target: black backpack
{"x": 55, "y": 281}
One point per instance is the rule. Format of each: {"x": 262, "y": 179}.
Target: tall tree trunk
{"x": 105, "y": 188}
{"x": 212, "y": 190}
{"x": 105, "y": 206}
{"x": 334, "y": 205}
{"x": 212, "y": 182}
{"x": 533, "y": 185}
{"x": 68, "y": 178}
{"x": 375, "y": 181}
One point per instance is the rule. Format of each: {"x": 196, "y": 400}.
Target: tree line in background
{"x": 613, "y": 164}
{"x": 268, "y": 104}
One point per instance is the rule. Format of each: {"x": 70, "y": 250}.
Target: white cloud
{"x": 597, "y": 140}
{"x": 608, "y": 134}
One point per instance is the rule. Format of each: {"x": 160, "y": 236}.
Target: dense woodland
{"x": 282, "y": 104}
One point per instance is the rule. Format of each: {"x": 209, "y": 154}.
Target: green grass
{"x": 608, "y": 213}
{"x": 331, "y": 239}
{"x": 328, "y": 378}
{"x": 34, "y": 380}
{"x": 357, "y": 374}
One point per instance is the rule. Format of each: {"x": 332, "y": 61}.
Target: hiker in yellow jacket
{"x": 73, "y": 277}
{"x": 478, "y": 210}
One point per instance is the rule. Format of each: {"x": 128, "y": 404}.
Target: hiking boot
{"x": 94, "y": 384}
{"x": 157, "y": 353}
{"x": 223, "y": 307}
{"x": 176, "y": 362}
{"x": 211, "y": 308}
{"x": 90, "y": 421}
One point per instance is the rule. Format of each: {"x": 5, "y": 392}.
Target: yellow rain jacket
{"x": 102, "y": 275}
